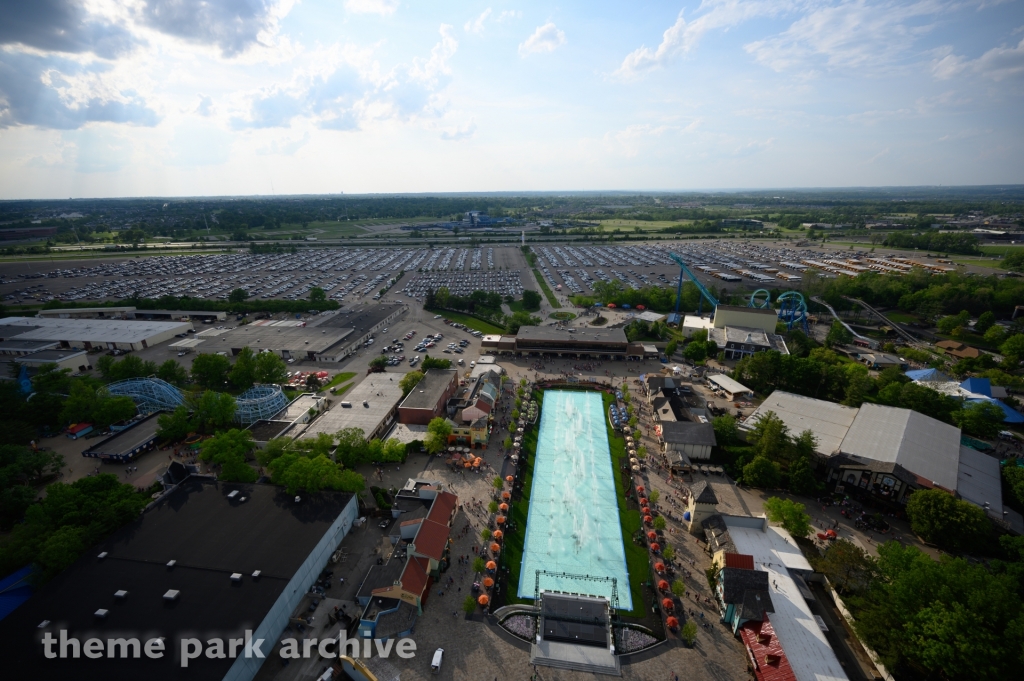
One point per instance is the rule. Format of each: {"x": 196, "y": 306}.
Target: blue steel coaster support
{"x": 683, "y": 269}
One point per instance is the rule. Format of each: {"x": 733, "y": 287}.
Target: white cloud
{"x": 546, "y": 38}
{"x": 381, "y": 7}
{"x": 462, "y": 132}
{"x": 283, "y": 147}
{"x": 509, "y": 15}
{"x": 850, "y": 35}
{"x": 999, "y": 63}
{"x": 427, "y": 71}
{"x": 477, "y": 25}
{"x": 682, "y": 37}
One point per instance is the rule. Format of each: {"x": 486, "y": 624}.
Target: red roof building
{"x": 765, "y": 654}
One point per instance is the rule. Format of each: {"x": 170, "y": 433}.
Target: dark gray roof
{"x": 736, "y": 581}
{"x": 716, "y": 532}
{"x": 390, "y": 624}
{"x": 429, "y": 390}
{"x": 755, "y": 603}
{"x": 688, "y": 433}
{"x": 702, "y": 493}
{"x": 549, "y": 333}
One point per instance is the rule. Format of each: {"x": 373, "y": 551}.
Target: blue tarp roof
{"x": 981, "y": 386}
{"x": 14, "y": 590}
{"x": 1012, "y": 415}
{"x": 926, "y": 375}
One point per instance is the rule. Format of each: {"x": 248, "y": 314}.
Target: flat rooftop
{"x": 50, "y": 355}
{"x": 25, "y": 345}
{"x": 294, "y": 339}
{"x": 429, "y": 390}
{"x": 551, "y": 333}
{"x": 91, "y": 330}
{"x": 360, "y": 318}
{"x": 380, "y": 391}
{"x": 298, "y": 407}
{"x": 210, "y": 536}
{"x": 128, "y": 439}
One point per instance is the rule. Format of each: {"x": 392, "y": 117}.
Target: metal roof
{"x": 828, "y": 421}
{"x": 380, "y": 391}
{"x": 91, "y": 330}
{"x": 978, "y": 480}
{"x": 919, "y": 443}
{"x": 727, "y": 384}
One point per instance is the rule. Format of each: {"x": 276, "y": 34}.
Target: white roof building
{"x": 88, "y": 333}
{"x": 827, "y": 420}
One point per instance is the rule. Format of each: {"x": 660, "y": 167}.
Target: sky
{"x": 109, "y": 98}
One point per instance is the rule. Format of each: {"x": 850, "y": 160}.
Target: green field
{"x": 642, "y": 225}
{"x": 1001, "y": 250}
{"x": 339, "y": 379}
{"x": 472, "y": 322}
{"x": 546, "y": 290}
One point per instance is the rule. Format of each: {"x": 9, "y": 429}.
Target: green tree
{"x": 531, "y": 300}
{"x": 410, "y": 381}
{"x": 229, "y": 451}
{"x": 174, "y": 426}
{"x": 469, "y": 605}
{"x": 436, "y": 363}
{"x": 438, "y": 431}
{"x": 789, "y": 514}
{"x": 243, "y": 373}
{"x": 770, "y": 436}
{"x": 379, "y": 362}
{"x": 838, "y": 335}
{"x": 1014, "y": 262}
{"x": 211, "y": 411}
{"x": 678, "y": 588}
{"x": 981, "y": 419}
{"x": 939, "y": 518}
{"x": 270, "y": 369}
{"x": 948, "y": 324}
{"x": 317, "y": 295}
{"x": 485, "y": 534}
{"x": 274, "y": 448}
{"x": 492, "y": 506}
{"x": 210, "y": 371}
{"x": 394, "y": 451}
{"x": 1013, "y": 349}
{"x": 520, "y": 319}
{"x": 689, "y": 632}
{"x": 654, "y": 496}
{"x": 985, "y": 322}
{"x": 848, "y": 567}
{"x": 802, "y": 480}
{"x": 479, "y": 565}
{"x": 659, "y": 523}
{"x": 173, "y": 373}
{"x": 668, "y": 553}
{"x": 995, "y": 335}
{"x": 238, "y": 295}
{"x": 726, "y": 430}
{"x": 351, "y": 450}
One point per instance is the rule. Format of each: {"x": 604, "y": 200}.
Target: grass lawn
{"x": 1001, "y": 250}
{"x": 343, "y": 389}
{"x": 472, "y": 322}
{"x": 901, "y": 317}
{"x": 994, "y": 264}
{"x": 339, "y": 379}
{"x": 628, "y": 226}
{"x": 329, "y": 229}
{"x": 517, "y": 306}
{"x": 546, "y": 290}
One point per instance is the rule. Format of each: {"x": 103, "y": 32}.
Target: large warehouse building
{"x": 371, "y": 406}
{"x": 288, "y": 339}
{"x": 551, "y": 341}
{"x": 889, "y": 452}
{"x": 208, "y": 560}
{"x": 85, "y": 334}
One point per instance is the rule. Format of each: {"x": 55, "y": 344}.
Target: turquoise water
{"x": 573, "y": 524}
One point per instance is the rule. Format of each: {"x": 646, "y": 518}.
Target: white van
{"x": 461, "y": 361}
{"x": 435, "y": 664}
{"x": 472, "y": 365}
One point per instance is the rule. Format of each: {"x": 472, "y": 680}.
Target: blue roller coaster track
{"x": 792, "y": 306}
{"x": 704, "y": 293}
{"x": 152, "y": 394}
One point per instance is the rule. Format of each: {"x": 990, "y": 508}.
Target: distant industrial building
{"x": 85, "y": 334}
{"x": 209, "y": 559}
{"x": 72, "y": 360}
{"x": 429, "y": 398}
{"x": 288, "y": 339}
{"x": 131, "y": 312}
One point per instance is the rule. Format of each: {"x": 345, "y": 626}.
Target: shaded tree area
{"x": 70, "y": 519}
{"x": 933, "y": 240}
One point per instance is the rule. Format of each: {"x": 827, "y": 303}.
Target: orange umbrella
{"x": 655, "y": 547}
{"x": 659, "y": 567}
{"x": 648, "y": 519}
{"x": 488, "y": 582}
{"x": 495, "y": 548}
{"x": 506, "y": 495}
{"x": 502, "y": 507}
{"x": 467, "y": 465}
{"x": 491, "y": 565}
{"x": 667, "y": 604}
{"x": 643, "y": 502}
{"x": 497, "y": 535}
{"x": 652, "y": 535}
{"x": 483, "y": 600}
{"x": 509, "y": 478}
{"x": 672, "y": 623}
{"x": 663, "y": 585}
{"x": 641, "y": 489}
{"x": 500, "y": 520}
